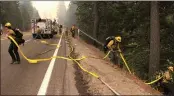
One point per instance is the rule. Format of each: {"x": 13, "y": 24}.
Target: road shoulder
{"x": 118, "y": 79}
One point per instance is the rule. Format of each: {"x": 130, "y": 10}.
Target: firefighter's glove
{"x": 119, "y": 51}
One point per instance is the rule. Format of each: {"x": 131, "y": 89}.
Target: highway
{"x": 43, "y": 78}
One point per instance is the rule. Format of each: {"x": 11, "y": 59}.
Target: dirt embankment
{"x": 118, "y": 79}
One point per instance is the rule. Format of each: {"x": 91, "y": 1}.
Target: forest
{"x": 18, "y": 13}
{"x": 146, "y": 29}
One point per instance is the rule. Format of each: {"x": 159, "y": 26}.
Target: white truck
{"x": 45, "y": 27}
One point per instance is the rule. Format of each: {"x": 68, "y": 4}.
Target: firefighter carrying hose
{"x": 167, "y": 82}
{"x": 13, "y": 49}
{"x": 112, "y": 44}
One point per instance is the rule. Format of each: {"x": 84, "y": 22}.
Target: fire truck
{"x": 45, "y": 28}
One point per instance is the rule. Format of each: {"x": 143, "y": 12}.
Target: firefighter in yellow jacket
{"x": 112, "y": 44}
{"x": 167, "y": 82}
{"x": 38, "y": 32}
{"x": 13, "y": 49}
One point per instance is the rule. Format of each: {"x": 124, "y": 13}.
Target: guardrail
{"x": 80, "y": 31}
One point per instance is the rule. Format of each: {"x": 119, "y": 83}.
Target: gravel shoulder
{"x": 119, "y": 79}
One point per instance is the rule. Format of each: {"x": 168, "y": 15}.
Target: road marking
{"x": 27, "y": 34}
{"x": 46, "y": 80}
{"x": 28, "y": 40}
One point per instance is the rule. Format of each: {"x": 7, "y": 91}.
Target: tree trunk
{"x": 96, "y": 20}
{"x": 0, "y": 12}
{"x": 154, "y": 39}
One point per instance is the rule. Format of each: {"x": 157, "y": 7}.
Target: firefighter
{"x": 38, "y": 31}
{"x": 167, "y": 82}
{"x": 13, "y": 49}
{"x": 112, "y": 44}
{"x": 1, "y": 31}
{"x": 73, "y": 30}
{"x": 60, "y": 29}
{"x": 66, "y": 32}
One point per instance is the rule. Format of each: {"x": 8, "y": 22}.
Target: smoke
{"x": 61, "y": 12}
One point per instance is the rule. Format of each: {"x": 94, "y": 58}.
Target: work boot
{"x": 12, "y": 61}
{"x": 17, "y": 62}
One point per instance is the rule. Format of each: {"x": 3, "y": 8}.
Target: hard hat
{"x": 170, "y": 68}
{"x": 118, "y": 38}
{"x": 7, "y": 24}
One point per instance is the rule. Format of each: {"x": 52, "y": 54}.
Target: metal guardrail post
{"x": 78, "y": 33}
{"x": 91, "y": 37}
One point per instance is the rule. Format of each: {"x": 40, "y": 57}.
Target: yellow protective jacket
{"x": 11, "y": 33}
{"x": 112, "y": 45}
{"x": 38, "y": 30}
{"x": 73, "y": 28}
{"x": 168, "y": 76}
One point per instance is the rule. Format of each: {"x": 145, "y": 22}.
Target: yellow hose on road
{"x": 34, "y": 61}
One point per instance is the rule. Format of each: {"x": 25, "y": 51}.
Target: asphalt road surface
{"x": 43, "y": 78}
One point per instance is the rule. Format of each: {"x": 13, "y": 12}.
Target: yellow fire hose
{"x": 125, "y": 63}
{"x": 107, "y": 54}
{"x": 154, "y": 81}
{"x": 122, "y": 57}
{"x": 93, "y": 74}
{"x": 34, "y": 61}
{"x": 100, "y": 58}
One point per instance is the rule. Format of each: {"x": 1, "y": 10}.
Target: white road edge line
{"x": 46, "y": 80}
{"x": 28, "y": 40}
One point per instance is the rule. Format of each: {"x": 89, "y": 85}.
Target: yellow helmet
{"x": 118, "y": 38}
{"x": 170, "y": 68}
{"x": 7, "y": 24}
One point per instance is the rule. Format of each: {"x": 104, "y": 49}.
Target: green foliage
{"x": 18, "y": 13}
{"x": 70, "y": 14}
{"x": 131, "y": 20}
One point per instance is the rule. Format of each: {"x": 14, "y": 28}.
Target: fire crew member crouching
{"x": 112, "y": 44}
